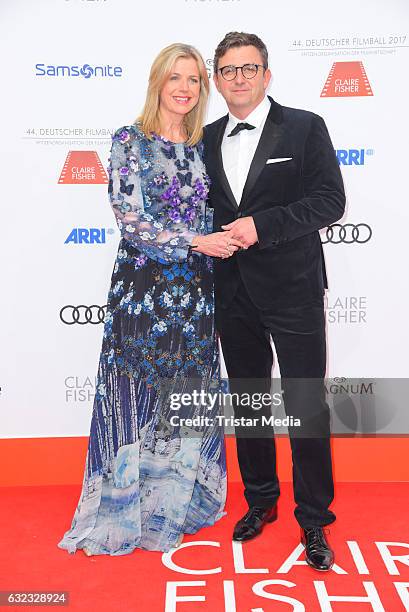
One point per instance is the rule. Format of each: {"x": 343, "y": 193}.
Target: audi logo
{"x": 82, "y": 314}
{"x": 347, "y": 233}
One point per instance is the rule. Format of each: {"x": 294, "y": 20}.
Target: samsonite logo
{"x": 88, "y": 235}
{"x": 86, "y": 71}
{"x": 353, "y": 157}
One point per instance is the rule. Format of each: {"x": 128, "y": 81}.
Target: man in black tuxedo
{"x": 275, "y": 183}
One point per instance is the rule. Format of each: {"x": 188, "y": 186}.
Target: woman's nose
{"x": 184, "y": 85}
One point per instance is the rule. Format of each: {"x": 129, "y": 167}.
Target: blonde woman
{"x": 150, "y": 476}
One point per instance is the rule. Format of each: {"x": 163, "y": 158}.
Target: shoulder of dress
{"x": 127, "y": 134}
{"x": 199, "y": 146}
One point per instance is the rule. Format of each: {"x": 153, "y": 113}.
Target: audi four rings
{"x": 347, "y": 233}
{"x": 82, "y": 314}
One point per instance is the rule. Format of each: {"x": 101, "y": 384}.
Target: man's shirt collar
{"x": 257, "y": 116}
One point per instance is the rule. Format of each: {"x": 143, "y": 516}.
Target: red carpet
{"x": 33, "y": 519}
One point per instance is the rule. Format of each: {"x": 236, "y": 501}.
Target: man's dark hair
{"x": 240, "y": 39}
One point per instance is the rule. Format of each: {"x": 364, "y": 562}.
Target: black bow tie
{"x": 239, "y": 127}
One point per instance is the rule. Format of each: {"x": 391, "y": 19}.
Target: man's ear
{"x": 267, "y": 78}
{"x": 216, "y": 81}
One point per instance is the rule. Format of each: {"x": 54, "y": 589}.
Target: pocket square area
{"x": 276, "y": 160}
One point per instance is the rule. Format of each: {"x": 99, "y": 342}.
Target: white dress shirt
{"x": 238, "y": 151}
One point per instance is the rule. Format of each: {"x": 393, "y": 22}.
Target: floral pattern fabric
{"x": 150, "y": 478}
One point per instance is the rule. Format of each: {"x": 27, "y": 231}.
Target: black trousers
{"x": 298, "y": 335}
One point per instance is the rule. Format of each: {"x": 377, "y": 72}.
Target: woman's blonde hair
{"x": 160, "y": 71}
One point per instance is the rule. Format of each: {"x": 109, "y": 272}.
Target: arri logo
{"x": 86, "y": 71}
{"x": 83, "y": 167}
{"x": 88, "y": 235}
{"x": 346, "y": 79}
{"x": 353, "y": 157}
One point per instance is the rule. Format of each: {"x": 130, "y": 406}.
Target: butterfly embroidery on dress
{"x": 182, "y": 165}
{"x": 185, "y": 179}
{"x": 124, "y": 188}
{"x": 178, "y": 270}
{"x": 169, "y": 152}
{"x": 178, "y": 291}
{"x": 124, "y": 207}
{"x": 189, "y": 153}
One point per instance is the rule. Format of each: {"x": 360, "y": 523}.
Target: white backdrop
{"x": 48, "y": 367}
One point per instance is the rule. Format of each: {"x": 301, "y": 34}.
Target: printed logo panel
{"x": 83, "y": 168}
{"x": 346, "y": 79}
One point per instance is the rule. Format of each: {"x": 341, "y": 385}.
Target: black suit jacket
{"x": 289, "y": 202}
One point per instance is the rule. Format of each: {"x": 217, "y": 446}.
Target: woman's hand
{"x": 218, "y": 244}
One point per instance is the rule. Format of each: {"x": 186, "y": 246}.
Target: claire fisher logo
{"x": 85, "y": 71}
{"x": 79, "y": 388}
{"x": 83, "y": 167}
{"x": 346, "y": 79}
{"x": 346, "y": 309}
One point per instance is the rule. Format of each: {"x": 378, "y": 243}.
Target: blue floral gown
{"x": 147, "y": 479}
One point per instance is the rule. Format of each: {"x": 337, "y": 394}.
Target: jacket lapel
{"x": 269, "y": 141}
{"x": 219, "y": 163}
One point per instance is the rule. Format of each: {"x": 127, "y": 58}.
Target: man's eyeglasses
{"x": 249, "y": 71}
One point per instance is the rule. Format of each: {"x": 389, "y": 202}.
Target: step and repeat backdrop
{"x": 76, "y": 70}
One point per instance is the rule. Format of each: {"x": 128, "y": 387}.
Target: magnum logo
{"x": 83, "y": 167}
{"x": 346, "y": 79}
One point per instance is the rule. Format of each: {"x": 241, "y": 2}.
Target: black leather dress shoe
{"x": 318, "y": 554}
{"x": 252, "y": 523}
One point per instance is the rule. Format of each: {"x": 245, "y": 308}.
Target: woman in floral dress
{"x": 149, "y": 478}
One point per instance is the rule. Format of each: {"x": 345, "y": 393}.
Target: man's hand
{"x": 218, "y": 244}
{"x": 243, "y": 230}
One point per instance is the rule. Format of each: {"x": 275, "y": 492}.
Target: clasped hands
{"x": 240, "y": 234}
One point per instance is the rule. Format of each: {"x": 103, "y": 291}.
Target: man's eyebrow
{"x": 244, "y": 63}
